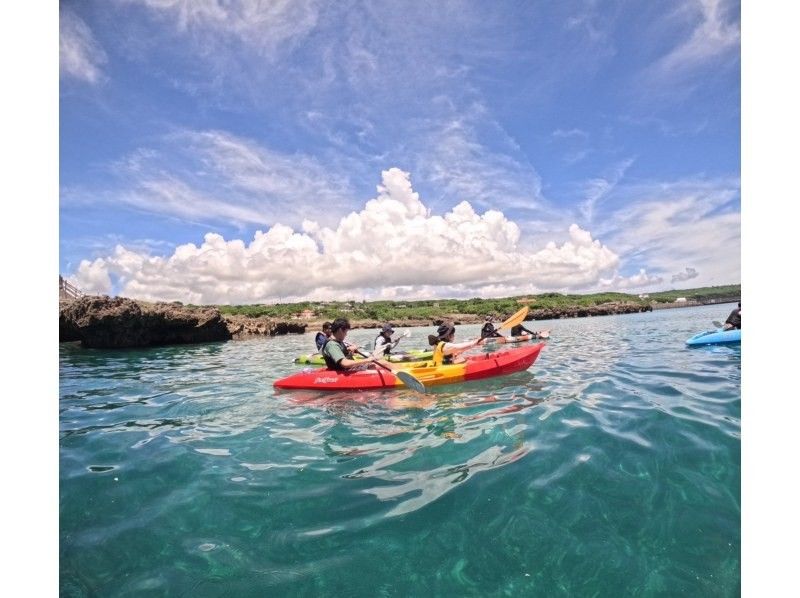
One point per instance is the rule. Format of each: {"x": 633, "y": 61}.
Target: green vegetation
{"x": 397, "y": 311}
{"x": 704, "y": 294}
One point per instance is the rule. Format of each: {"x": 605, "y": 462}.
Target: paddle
{"x": 517, "y": 318}
{"x": 512, "y": 321}
{"x": 406, "y": 378}
{"x": 716, "y": 324}
{"x": 404, "y": 334}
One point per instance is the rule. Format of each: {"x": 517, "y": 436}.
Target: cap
{"x": 387, "y": 328}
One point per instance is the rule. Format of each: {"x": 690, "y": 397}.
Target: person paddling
{"x": 384, "y": 339}
{"x": 489, "y": 331}
{"x": 519, "y": 330}
{"x": 323, "y": 336}
{"x": 338, "y": 355}
{"x": 734, "y": 319}
{"x": 445, "y": 350}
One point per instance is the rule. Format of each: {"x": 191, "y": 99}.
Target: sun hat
{"x": 445, "y": 330}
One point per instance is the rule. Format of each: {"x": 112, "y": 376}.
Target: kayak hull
{"x": 475, "y": 367}
{"x": 715, "y": 337}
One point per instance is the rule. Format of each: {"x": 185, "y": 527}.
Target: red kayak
{"x": 485, "y": 365}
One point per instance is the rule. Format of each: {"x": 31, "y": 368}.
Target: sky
{"x": 258, "y": 152}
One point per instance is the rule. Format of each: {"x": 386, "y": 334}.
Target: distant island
{"x": 118, "y": 322}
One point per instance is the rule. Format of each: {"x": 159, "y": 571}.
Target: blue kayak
{"x": 715, "y": 337}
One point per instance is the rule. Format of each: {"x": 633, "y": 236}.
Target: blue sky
{"x": 252, "y": 152}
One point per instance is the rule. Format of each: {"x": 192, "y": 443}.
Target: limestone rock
{"x": 105, "y": 322}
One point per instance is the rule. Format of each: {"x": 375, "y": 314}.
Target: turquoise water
{"x": 610, "y": 468}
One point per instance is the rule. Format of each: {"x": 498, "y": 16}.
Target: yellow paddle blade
{"x": 517, "y": 318}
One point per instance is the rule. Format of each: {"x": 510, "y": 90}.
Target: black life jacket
{"x": 387, "y": 346}
{"x": 489, "y": 331}
{"x": 334, "y": 365}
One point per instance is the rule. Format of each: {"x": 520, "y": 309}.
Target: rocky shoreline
{"x": 106, "y": 322}
{"x": 116, "y": 323}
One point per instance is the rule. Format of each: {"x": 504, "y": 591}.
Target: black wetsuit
{"x": 519, "y": 330}
{"x": 735, "y": 319}
{"x": 488, "y": 331}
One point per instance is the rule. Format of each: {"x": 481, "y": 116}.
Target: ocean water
{"x": 610, "y": 468}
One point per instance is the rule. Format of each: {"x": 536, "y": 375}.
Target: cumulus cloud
{"x": 394, "y": 242}
{"x": 80, "y": 56}
{"x": 687, "y": 274}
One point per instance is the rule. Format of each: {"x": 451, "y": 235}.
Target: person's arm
{"x": 351, "y": 363}
{"x": 456, "y": 348}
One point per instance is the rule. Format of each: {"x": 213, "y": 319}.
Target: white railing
{"x": 67, "y": 290}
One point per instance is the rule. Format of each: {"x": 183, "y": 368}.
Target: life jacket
{"x": 387, "y": 345}
{"x": 320, "y": 339}
{"x": 439, "y": 358}
{"x": 488, "y": 330}
{"x": 334, "y": 365}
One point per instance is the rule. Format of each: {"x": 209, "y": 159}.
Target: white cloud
{"x": 638, "y": 280}
{"x": 264, "y": 26}
{"x": 597, "y": 189}
{"x": 455, "y": 158}
{"x": 687, "y": 274}
{"x": 666, "y": 225}
{"x": 80, "y": 56}
{"x": 570, "y": 133}
{"x": 394, "y": 241}
{"x": 714, "y": 37}
{"x": 212, "y": 176}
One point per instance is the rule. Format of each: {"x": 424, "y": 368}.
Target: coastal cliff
{"x": 105, "y": 322}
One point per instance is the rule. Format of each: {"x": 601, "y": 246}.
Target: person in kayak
{"x": 384, "y": 339}
{"x": 734, "y": 319}
{"x": 338, "y": 355}
{"x": 489, "y": 331}
{"x": 519, "y": 330}
{"x": 445, "y": 350}
{"x": 322, "y": 336}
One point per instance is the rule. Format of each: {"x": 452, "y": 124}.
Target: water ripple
{"x": 619, "y": 441}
